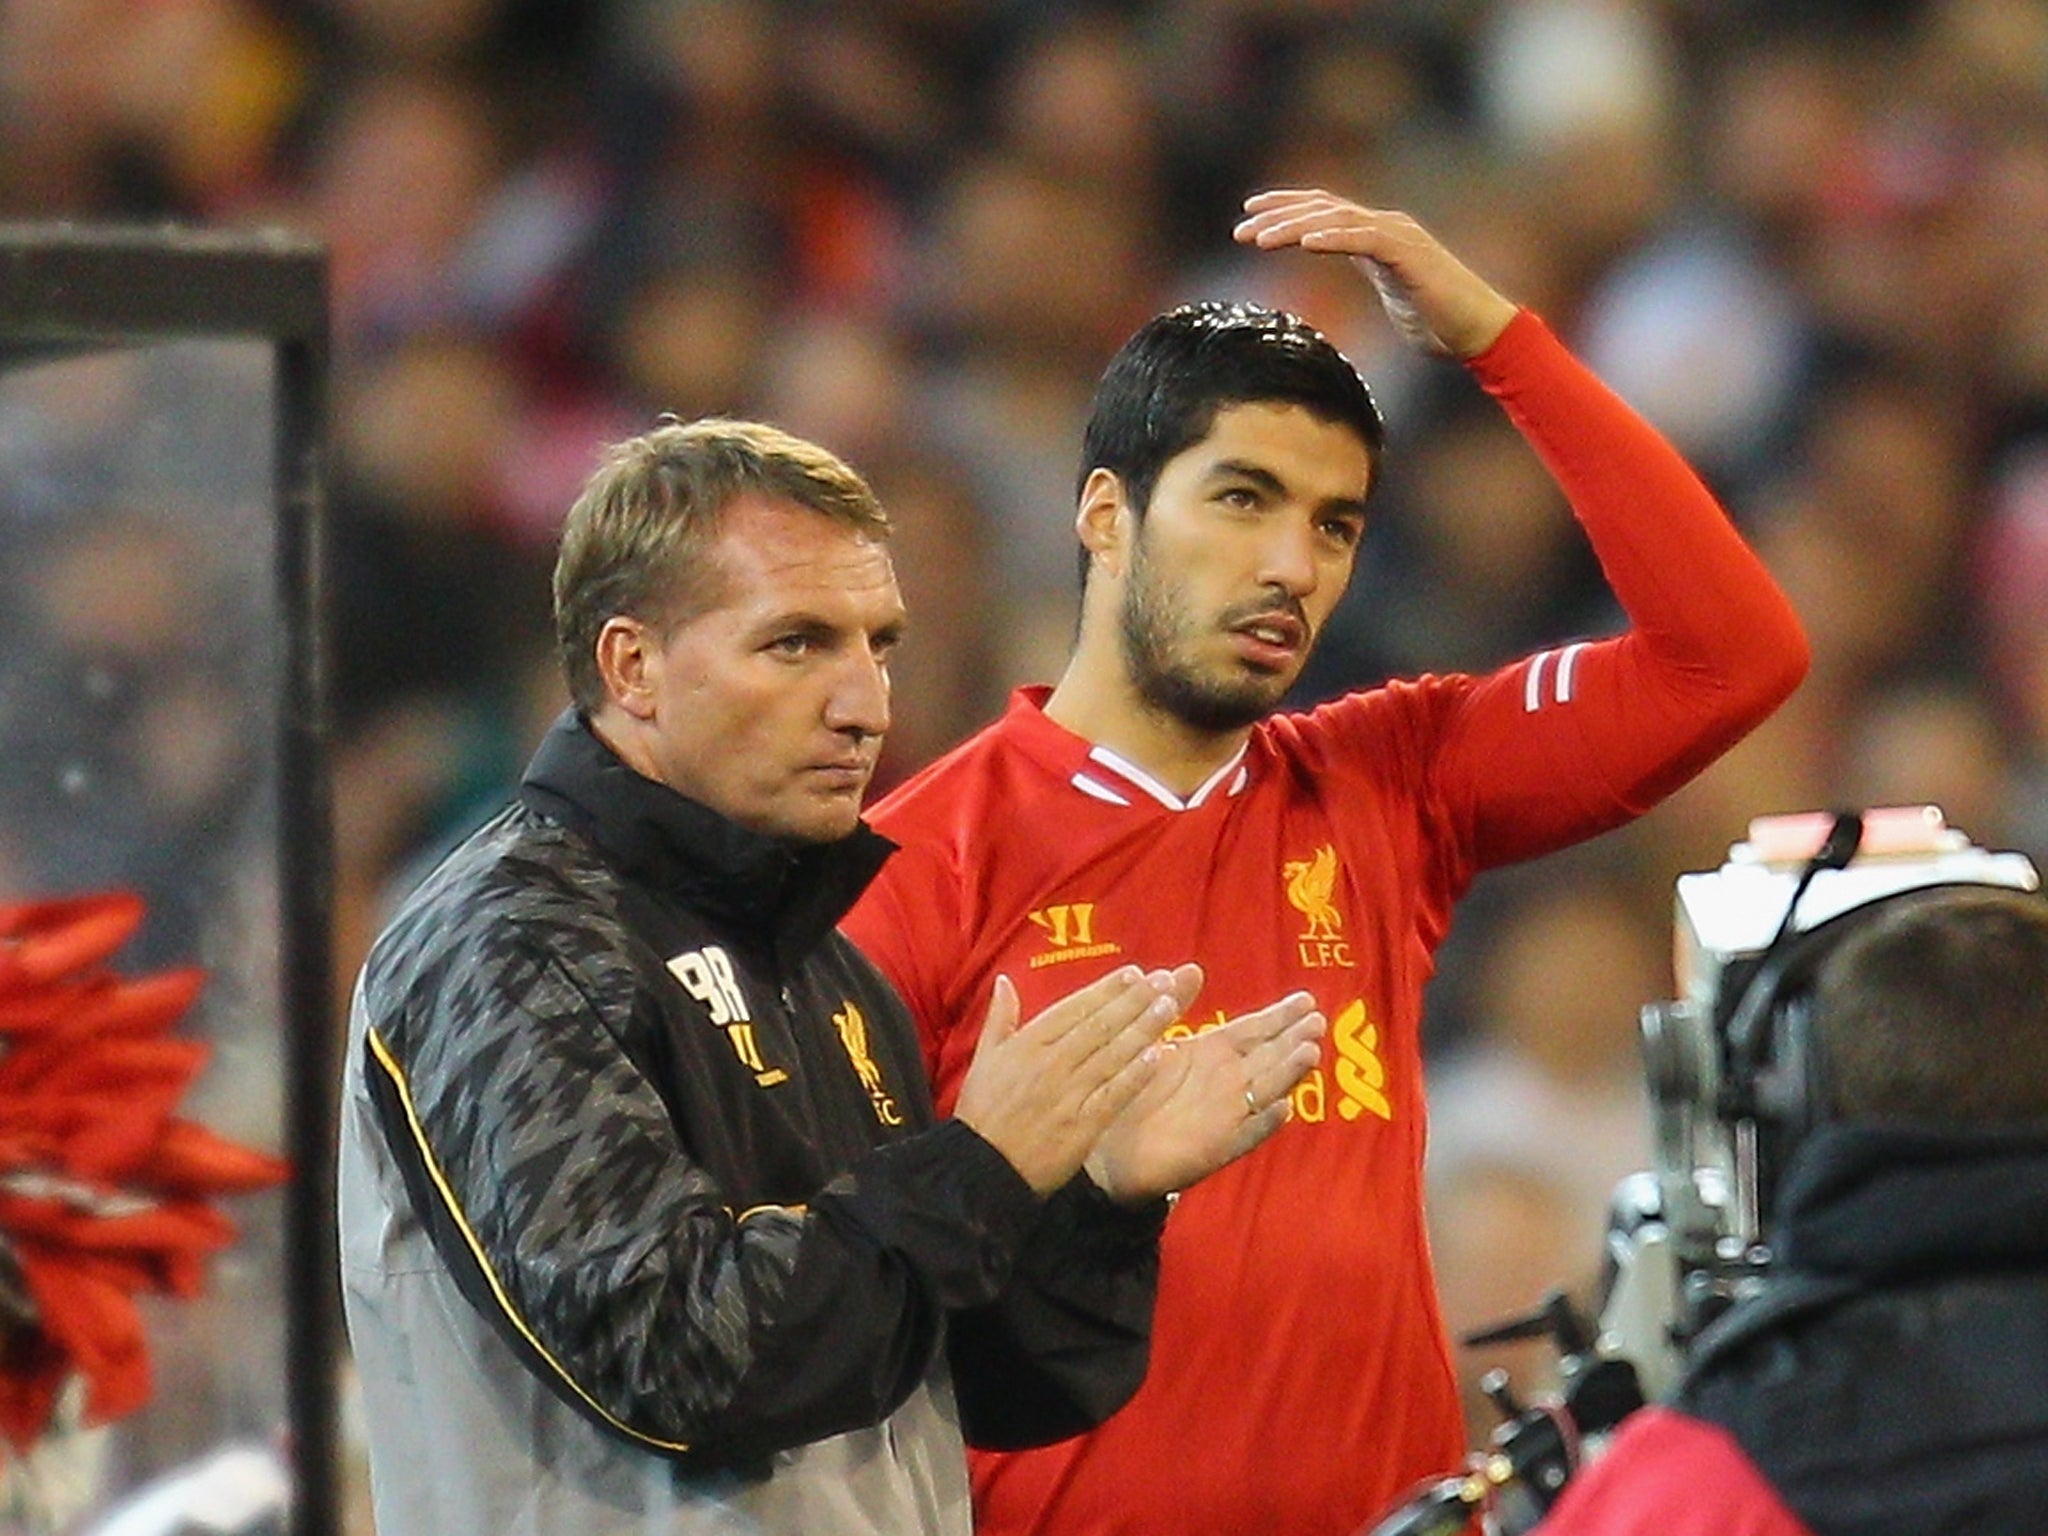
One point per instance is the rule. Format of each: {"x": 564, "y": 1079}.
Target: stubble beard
{"x": 1155, "y": 626}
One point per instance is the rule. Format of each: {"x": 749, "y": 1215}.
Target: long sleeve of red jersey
{"x": 1582, "y": 737}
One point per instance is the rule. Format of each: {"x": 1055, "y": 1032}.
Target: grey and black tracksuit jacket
{"x": 647, "y": 1225}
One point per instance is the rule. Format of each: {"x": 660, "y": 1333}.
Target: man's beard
{"x": 1153, "y": 623}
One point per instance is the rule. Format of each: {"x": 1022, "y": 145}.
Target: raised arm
{"x": 1576, "y": 739}
{"x": 1434, "y": 300}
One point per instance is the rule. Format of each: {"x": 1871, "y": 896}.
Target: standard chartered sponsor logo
{"x": 1354, "y": 1082}
{"x": 1361, "y": 1075}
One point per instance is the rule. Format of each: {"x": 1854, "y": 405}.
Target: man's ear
{"x": 629, "y": 661}
{"x": 1105, "y": 521}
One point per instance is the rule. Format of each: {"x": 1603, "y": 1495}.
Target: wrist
{"x": 1487, "y": 329}
{"x": 1101, "y": 1170}
{"x": 1105, "y": 1175}
{"x": 1097, "y": 1167}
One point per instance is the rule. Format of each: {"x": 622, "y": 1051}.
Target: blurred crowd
{"x": 1807, "y": 238}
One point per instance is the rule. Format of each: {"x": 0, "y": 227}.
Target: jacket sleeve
{"x": 1582, "y": 737}
{"x": 548, "y": 1173}
{"x": 1067, "y": 1343}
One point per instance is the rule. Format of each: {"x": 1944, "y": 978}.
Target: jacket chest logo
{"x": 707, "y": 974}
{"x": 1068, "y": 932}
{"x": 1310, "y": 886}
{"x": 853, "y": 1034}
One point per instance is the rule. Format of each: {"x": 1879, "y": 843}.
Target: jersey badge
{"x": 1310, "y": 886}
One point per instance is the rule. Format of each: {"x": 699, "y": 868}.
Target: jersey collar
{"x": 1102, "y": 774}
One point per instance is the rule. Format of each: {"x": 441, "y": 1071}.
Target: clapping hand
{"x": 1212, "y": 1099}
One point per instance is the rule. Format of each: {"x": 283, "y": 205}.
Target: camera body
{"x": 1731, "y": 1076}
{"x": 1734, "y": 1085}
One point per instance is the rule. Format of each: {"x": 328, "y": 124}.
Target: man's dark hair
{"x": 1936, "y": 1009}
{"x": 1160, "y": 394}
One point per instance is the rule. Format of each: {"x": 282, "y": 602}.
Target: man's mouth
{"x": 1271, "y": 639}
{"x": 1276, "y": 630}
{"x": 844, "y": 769}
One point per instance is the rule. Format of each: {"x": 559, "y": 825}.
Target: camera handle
{"x": 1536, "y": 1448}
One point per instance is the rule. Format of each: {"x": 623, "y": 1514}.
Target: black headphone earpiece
{"x": 1770, "y": 1071}
{"x": 1775, "y": 1073}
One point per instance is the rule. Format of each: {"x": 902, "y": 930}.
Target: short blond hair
{"x": 633, "y": 543}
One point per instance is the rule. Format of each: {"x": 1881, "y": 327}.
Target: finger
{"x": 1257, "y": 1128}
{"x": 1249, "y": 1030}
{"x": 1125, "y": 1038}
{"x": 1291, "y": 208}
{"x": 1274, "y": 1077}
{"x": 1332, "y": 235}
{"x": 1273, "y": 1070}
{"x": 1166, "y": 1078}
{"x": 1285, "y": 197}
{"x": 1086, "y": 1009}
{"x": 1286, "y": 226}
{"x": 1101, "y": 1106}
{"x": 1308, "y": 1030}
{"x": 1000, "y": 1022}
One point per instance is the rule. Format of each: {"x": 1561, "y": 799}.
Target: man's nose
{"x": 859, "y": 701}
{"x": 1290, "y": 558}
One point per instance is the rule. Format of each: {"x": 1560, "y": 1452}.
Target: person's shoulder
{"x": 519, "y": 879}
{"x": 1667, "y": 1473}
{"x": 999, "y": 762}
{"x": 1356, "y": 724}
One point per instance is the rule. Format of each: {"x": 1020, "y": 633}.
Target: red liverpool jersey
{"x": 1300, "y": 1380}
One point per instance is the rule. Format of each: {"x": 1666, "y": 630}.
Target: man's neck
{"x": 616, "y": 731}
{"x": 1098, "y": 702}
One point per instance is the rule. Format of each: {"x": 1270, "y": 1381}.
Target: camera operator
{"x": 1890, "y": 1377}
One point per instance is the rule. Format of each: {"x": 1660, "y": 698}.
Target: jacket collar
{"x": 1870, "y": 1207}
{"x": 789, "y": 892}
{"x": 1881, "y": 1201}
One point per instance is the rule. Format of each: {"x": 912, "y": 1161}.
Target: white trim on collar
{"x": 1100, "y": 790}
{"x": 1234, "y": 774}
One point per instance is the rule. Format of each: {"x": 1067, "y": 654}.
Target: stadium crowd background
{"x": 1808, "y": 239}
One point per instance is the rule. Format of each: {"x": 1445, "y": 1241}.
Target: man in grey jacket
{"x": 648, "y": 1225}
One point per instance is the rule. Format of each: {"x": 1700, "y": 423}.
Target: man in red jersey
{"x": 1153, "y": 808}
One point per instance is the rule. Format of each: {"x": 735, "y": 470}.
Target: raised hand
{"x": 1434, "y": 300}
{"x": 1213, "y": 1099}
{"x": 1043, "y": 1094}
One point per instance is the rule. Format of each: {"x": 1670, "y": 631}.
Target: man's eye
{"x": 1343, "y": 531}
{"x": 791, "y": 645}
{"x": 1241, "y": 497}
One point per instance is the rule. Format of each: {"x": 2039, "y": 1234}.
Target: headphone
{"x": 1773, "y": 1073}
{"x": 1770, "y": 1076}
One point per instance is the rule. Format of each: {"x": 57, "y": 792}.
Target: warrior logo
{"x": 1311, "y": 886}
{"x": 853, "y": 1034}
{"x": 1069, "y": 930}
